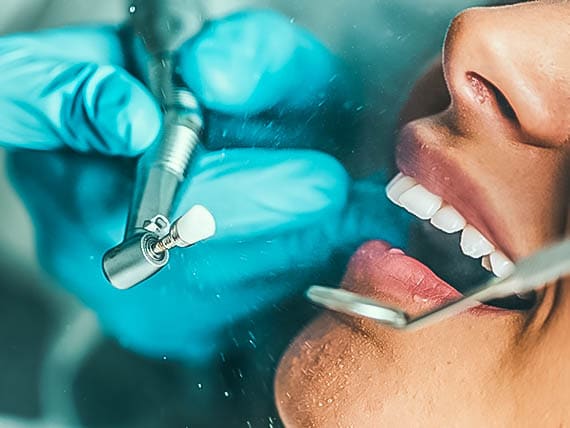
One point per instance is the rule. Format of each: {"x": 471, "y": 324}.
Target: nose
{"x": 495, "y": 68}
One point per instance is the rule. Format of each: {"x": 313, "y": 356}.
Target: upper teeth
{"x": 420, "y": 202}
{"x": 448, "y": 220}
{"x": 407, "y": 193}
{"x": 474, "y": 244}
{"x": 500, "y": 264}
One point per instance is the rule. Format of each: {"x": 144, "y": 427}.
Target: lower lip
{"x": 381, "y": 272}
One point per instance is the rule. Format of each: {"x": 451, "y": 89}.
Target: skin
{"x": 507, "y": 173}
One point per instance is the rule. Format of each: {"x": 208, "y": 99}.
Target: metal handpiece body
{"x": 160, "y": 27}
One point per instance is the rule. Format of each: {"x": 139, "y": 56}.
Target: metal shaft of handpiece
{"x": 161, "y": 26}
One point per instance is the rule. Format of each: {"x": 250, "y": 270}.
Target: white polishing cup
{"x": 196, "y": 225}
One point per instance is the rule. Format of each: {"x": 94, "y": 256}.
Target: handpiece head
{"x": 133, "y": 260}
{"x": 145, "y": 253}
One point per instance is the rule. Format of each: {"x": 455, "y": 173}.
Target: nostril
{"x": 504, "y": 105}
{"x": 485, "y": 90}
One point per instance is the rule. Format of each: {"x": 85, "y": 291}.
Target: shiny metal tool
{"x": 160, "y": 27}
{"x": 529, "y": 274}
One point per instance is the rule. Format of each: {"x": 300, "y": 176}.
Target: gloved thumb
{"x": 260, "y": 192}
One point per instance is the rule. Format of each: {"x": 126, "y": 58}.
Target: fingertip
{"x": 127, "y": 118}
{"x": 267, "y": 190}
{"x": 144, "y": 117}
{"x": 328, "y": 181}
{"x": 251, "y": 61}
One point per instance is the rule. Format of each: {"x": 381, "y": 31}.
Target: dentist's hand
{"x": 72, "y": 116}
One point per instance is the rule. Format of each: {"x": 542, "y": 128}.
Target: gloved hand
{"x": 66, "y": 97}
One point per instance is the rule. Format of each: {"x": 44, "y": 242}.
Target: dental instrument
{"x": 160, "y": 27}
{"x": 529, "y": 274}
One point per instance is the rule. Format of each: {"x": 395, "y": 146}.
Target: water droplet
{"x": 419, "y": 299}
{"x": 132, "y": 9}
{"x": 292, "y": 20}
{"x": 164, "y": 357}
{"x": 199, "y": 386}
{"x": 226, "y": 394}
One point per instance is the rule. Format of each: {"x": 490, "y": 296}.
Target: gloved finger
{"x": 253, "y": 61}
{"x": 252, "y": 192}
{"x": 268, "y": 83}
{"x": 67, "y": 88}
{"x": 65, "y": 191}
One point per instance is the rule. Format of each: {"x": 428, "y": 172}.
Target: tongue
{"x": 378, "y": 271}
{"x": 387, "y": 274}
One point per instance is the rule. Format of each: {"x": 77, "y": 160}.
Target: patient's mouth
{"x": 435, "y": 243}
{"x": 408, "y": 193}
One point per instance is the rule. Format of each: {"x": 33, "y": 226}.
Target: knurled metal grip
{"x": 182, "y": 132}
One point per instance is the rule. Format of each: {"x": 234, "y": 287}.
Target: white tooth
{"x": 448, "y": 219}
{"x": 500, "y": 264}
{"x": 420, "y": 202}
{"x": 397, "y": 186}
{"x": 394, "y": 180}
{"x": 486, "y": 263}
{"x": 474, "y": 244}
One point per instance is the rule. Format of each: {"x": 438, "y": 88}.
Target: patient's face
{"x": 495, "y": 147}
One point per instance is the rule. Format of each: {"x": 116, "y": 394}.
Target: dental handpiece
{"x": 160, "y": 27}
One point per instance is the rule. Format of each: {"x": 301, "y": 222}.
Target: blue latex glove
{"x": 280, "y": 213}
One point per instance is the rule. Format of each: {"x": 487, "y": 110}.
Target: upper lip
{"x": 443, "y": 176}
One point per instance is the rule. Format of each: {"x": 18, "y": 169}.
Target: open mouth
{"x": 448, "y": 245}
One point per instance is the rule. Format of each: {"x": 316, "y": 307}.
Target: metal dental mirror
{"x": 531, "y": 273}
